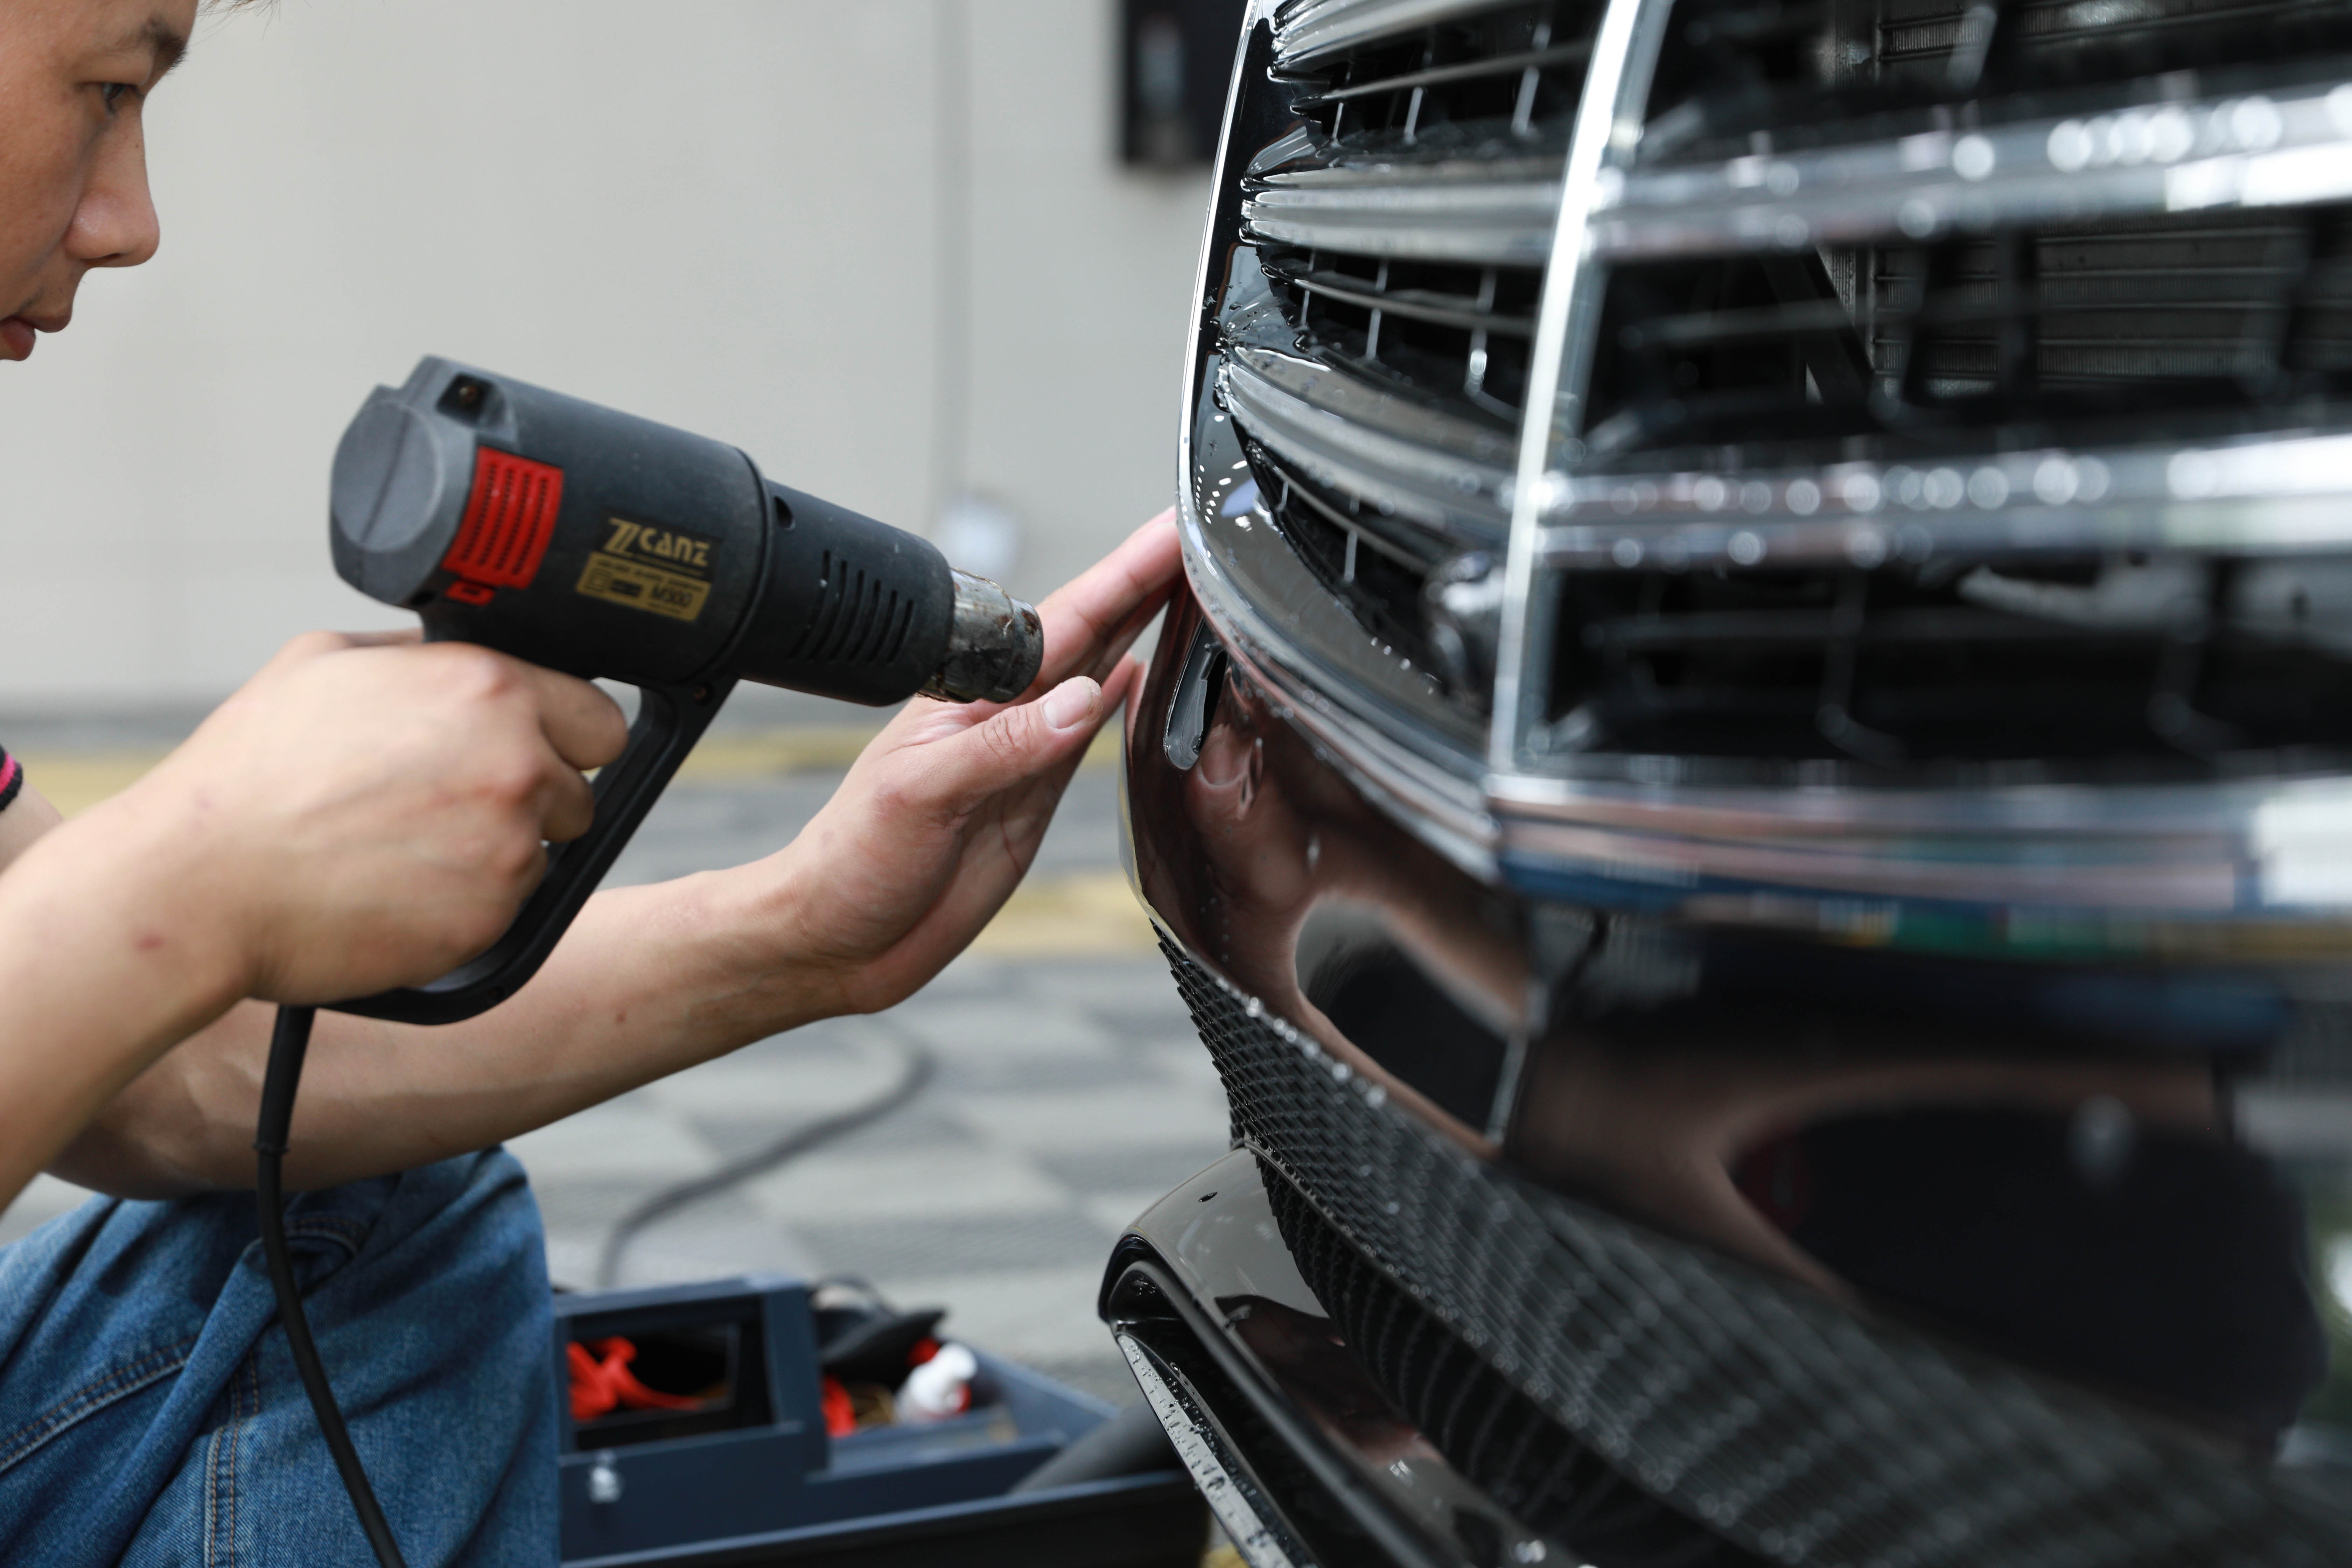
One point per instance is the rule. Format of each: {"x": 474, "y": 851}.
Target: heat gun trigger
{"x": 669, "y": 722}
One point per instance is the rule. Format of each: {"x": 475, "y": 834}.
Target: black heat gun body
{"x": 610, "y": 547}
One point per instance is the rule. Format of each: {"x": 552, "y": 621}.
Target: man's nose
{"x": 115, "y": 225}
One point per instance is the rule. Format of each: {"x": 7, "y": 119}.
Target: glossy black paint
{"x": 2136, "y": 1229}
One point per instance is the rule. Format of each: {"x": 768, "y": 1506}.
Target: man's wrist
{"x": 762, "y": 919}
{"x": 109, "y": 959}
{"x": 129, "y": 881}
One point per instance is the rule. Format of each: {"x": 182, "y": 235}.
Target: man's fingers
{"x": 1010, "y": 747}
{"x": 568, "y": 808}
{"x": 1116, "y": 646}
{"x": 583, "y": 725}
{"x": 1119, "y": 682}
{"x": 1086, "y": 616}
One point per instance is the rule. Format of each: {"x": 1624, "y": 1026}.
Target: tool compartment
{"x": 725, "y": 1457}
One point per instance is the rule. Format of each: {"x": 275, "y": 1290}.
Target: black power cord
{"x": 288, "y": 1043}
{"x": 919, "y": 1063}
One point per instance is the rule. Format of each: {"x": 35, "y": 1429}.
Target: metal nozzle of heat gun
{"x": 994, "y": 645}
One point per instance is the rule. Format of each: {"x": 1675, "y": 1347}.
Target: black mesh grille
{"x": 1798, "y": 1430}
{"x": 1487, "y": 1430}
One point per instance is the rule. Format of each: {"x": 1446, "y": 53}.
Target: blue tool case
{"x": 741, "y": 1472}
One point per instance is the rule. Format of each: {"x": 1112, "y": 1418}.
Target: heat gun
{"x": 609, "y": 547}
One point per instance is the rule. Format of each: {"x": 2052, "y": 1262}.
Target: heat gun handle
{"x": 670, "y": 720}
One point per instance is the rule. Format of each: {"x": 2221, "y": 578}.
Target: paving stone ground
{"x": 1069, "y": 1092}
{"x": 1067, "y": 1097}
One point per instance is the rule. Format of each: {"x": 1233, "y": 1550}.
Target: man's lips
{"x": 17, "y": 333}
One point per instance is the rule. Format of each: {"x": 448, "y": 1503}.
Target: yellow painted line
{"x": 76, "y": 781}
{"x": 772, "y": 753}
{"x": 1085, "y": 914}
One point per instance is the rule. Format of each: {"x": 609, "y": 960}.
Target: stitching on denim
{"x": 347, "y": 1234}
{"x": 220, "y": 1471}
{"x": 239, "y": 1416}
{"x": 312, "y": 1224}
{"x": 117, "y": 1383}
{"x": 212, "y": 1493}
{"x": 340, "y": 1230}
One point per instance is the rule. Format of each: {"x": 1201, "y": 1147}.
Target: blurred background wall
{"x": 888, "y": 246}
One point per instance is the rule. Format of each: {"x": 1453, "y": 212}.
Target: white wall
{"x": 780, "y": 223}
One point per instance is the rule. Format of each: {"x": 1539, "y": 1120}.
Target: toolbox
{"x": 736, "y": 1466}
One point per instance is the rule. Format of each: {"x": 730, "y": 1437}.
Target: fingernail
{"x": 1071, "y": 703}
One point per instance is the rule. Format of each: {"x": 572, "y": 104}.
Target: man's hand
{"x": 366, "y": 812}
{"x": 943, "y": 812}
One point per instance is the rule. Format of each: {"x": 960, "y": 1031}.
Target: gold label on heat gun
{"x": 665, "y": 570}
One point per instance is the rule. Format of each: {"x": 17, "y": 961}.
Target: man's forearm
{"x": 84, "y": 915}
{"x": 648, "y": 981}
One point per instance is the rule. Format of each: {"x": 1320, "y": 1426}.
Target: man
{"x": 368, "y": 812}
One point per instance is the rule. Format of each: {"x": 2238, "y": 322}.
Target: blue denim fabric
{"x": 149, "y": 1413}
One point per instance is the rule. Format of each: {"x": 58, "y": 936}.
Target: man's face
{"x": 74, "y": 78}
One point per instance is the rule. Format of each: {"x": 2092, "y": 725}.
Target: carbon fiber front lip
{"x": 1187, "y": 1268}
{"x": 1798, "y": 1428}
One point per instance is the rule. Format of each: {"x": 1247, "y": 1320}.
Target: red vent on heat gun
{"x": 509, "y": 520}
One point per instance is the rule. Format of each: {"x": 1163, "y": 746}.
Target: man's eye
{"x": 112, "y": 93}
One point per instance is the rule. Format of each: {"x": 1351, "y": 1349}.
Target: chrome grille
{"x": 1908, "y": 347}
{"x": 2220, "y": 322}
{"x": 1373, "y": 343}
{"x": 1733, "y": 68}
{"x": 1910, "y": 438}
